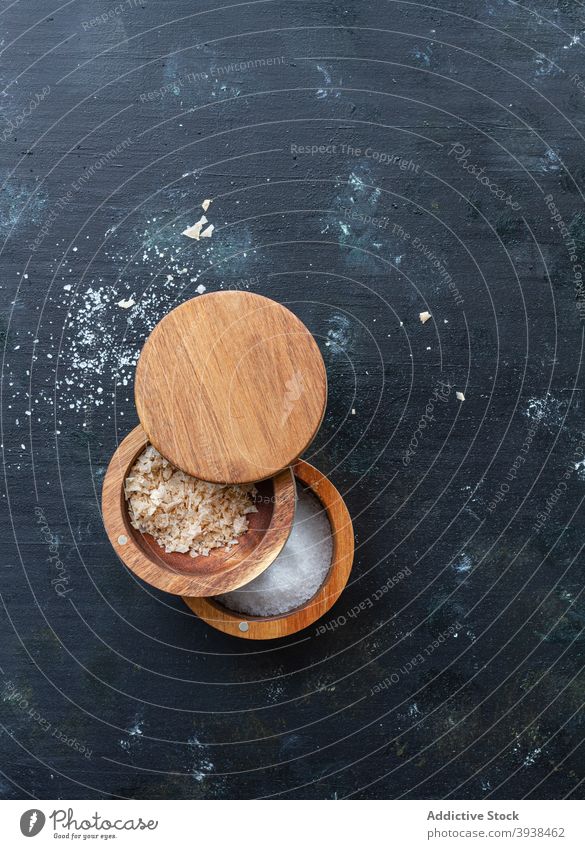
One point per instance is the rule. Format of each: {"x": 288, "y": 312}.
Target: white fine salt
{"x": 299, "y": 570}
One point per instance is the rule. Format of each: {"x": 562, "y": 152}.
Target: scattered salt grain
{"x": 194, "y": 232}
{"x": 205, "y": 204}
{"x": 208, "y": 231}
{"x": 424, "y": 316}
{"x": 298, "y": 571}
{"x": 200, "y": 289}
{"x": 126, "y": 304}
{"x": 460, "y": 396}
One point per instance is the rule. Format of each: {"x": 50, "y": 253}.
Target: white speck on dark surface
{"x": 202, "y": 763}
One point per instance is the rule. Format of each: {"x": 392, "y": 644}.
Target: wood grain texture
{"x": 273, "y": 627}
{"x": 222, "y": 570}
{"x": 231, "y": 387}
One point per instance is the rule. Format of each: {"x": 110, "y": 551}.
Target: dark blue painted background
{"x": 463, "y": 678}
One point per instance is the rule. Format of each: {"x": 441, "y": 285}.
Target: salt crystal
{"x": 181, "y": 512}
{"x": 200, "y": 289}
{"x": 424, "y": 316}
{"x": 194, "y": 232}
{"x": 299, "y": 570}
{"x": 460, "y": 396}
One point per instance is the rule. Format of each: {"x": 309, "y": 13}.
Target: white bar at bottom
{"x": 282, "y": 824}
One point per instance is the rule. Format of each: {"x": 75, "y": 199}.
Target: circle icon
{"x": 32, "y": 822}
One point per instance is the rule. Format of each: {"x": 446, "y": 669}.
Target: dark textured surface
{"x": 463, "y": 679}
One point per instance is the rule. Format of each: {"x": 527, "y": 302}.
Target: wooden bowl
{"x": 222, "y": 570}
{"x": 272, "y": 627}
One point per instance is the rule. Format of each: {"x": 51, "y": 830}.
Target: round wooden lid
{"x": 231, "y": 387}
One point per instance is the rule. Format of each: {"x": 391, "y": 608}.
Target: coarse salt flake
{"x": 183, "y": 513}
{"x": 194, "y": 232}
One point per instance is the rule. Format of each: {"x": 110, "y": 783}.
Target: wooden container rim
{"x": 272, "y": 627}
{"x": 117, "y": 525}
